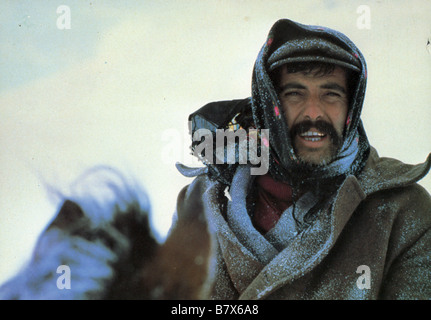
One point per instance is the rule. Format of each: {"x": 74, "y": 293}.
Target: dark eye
{"x": 333, "y": 94}
{"x": 291, "y": 94}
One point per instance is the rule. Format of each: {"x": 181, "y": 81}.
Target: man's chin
{"x": 315, "y": 158}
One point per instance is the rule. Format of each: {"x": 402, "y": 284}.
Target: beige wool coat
{"x": 372, "y": 242}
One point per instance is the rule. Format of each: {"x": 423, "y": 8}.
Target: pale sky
{"x": 117, "y": 88}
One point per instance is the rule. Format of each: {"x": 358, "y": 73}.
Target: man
{"x": 330, "y": 219}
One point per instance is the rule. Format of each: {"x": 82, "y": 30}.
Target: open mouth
{"x": 313, "y": 136}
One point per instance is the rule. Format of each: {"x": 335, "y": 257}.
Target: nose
{"x": 313, "y": 109}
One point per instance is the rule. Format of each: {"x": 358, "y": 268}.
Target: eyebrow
{"x": 334, "y": 86}
{"x": 297, "y": 85}
{"x": 291, "y": 85}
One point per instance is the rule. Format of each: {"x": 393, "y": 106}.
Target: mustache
{"x": 321, "y": 125}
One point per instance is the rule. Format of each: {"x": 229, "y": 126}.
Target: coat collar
{"x": 309, "y": 248}
{"x": 381, "y": 173}
{"x": 253, "y": 280}
{"x": 242, "y": 265}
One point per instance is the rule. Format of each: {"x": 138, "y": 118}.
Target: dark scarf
{"x": 289, "y": 41}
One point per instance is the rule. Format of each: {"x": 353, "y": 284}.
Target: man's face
{"x": 315, "y": 107}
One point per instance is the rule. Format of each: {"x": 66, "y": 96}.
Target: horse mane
{"x": 103, "y": 234}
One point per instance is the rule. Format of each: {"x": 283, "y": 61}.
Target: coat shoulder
{"x": 383, "y": 173}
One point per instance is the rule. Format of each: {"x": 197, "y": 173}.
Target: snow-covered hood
{"x": 289, "y": 41}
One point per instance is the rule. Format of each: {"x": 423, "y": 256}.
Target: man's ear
{"x": 68, "y": 214}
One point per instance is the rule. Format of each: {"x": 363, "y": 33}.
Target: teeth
{"x": 312, "y": 134}
{"x": 312, "y": 139}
